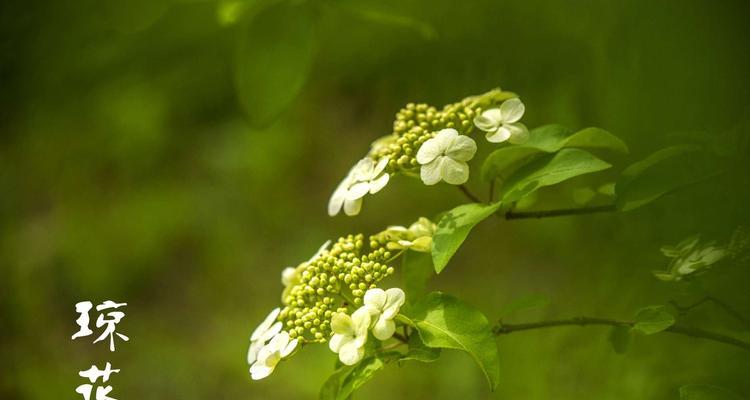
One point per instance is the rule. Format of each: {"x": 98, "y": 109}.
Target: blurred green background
{"x": 130, "y": 171}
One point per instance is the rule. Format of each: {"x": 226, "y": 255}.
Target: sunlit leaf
{"x": 550, "y": 170}
{"x": 273, "y": 59}
{"x": 416, "y": 270}
{"x": 548, "y": 138}
{"x": 658, "y": 174}
{"x": 345, "y": 380}
{"x": 453, "y": 228}
{"x": 445, "y": 322}
{"x": 504, "y": 161}
{"x": 653, "y": 319}
{"x": 595, "y": 138}
{"x": 707, "y": 392}
{"x": 418, "y": 351}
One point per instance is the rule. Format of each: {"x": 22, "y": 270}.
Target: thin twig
{"x": 492, "y": 191}
{"x": 468, "y": 194}
{"x": 400, "y": 337}
{"x": 724, "y": 306}
{"x": 504, "y": 329}
{"x": 558, "y": 213}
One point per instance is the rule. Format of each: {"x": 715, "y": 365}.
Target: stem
{"x": 492, "y": 191}
{"x": 557, "y": 213}
{"x": 468, "y": 194}
{"x": 724, "y": 306}
{"x": 400, "y": 337}
{"x": 504, "y": 329}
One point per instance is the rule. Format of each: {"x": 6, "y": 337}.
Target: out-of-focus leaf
{"x": 345, "y": 380}
{"x": 653, "y": 319}
{"x": 707, "y": 392}
{"x": 529, "y": 301}
{"x": 424, "y": 29}
{"x": 453, "y": 228}
{"x": 619, "y": 337}
{"x": 595, "y": 138}
{"x": 550, "y": 170}
{"x": 274, "y": 56}
{"x": 416, "y": 269}
{"x": 548, "y": 138}
{"x": 658, "y": 174}
{"x": 446, "y": 322}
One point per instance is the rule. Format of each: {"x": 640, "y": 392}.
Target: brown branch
{"x": 504, "y": 329}
{"x": 558, "y": 213}
{"x": 468, "y": 194}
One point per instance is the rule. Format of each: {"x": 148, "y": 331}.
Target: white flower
{"x": 502, "y": 124}
{"x": 367, "y": 176}
{"x": 417, "y": 237}
{"x": 269, "y": 356}
{"x": 384, "y": 306}
{"x": 350, "y": 335}
{"x": 444, "y": 158}
{"x": 262, "y": 334}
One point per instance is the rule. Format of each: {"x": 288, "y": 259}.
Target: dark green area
{"x": 133, "y": 167}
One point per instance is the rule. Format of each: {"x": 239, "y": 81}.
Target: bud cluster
{"x": 334, "y": 281}
{"x": 417, "y": 123}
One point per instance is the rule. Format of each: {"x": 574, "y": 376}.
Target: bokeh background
{"x": 130, "y": 171}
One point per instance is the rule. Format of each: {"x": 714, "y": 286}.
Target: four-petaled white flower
{"x": 502, "y": 124}
{"x": 384, "y": 306}
{"x": 444, "y": 157}
{"x": 350, "y": 335}
{"x": 269, "y": 355}
{"x": 367, "y": 176}
{"x": 262, "y": 334}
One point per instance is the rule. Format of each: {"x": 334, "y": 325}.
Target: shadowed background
{"x": 130, "y": 171}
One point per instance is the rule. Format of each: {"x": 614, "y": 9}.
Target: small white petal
{"x": 380, "y": 166}
{"x": 454, "y": 172}
{"x": 430, "y": 173}
{"x": 358, "y": 190}
{"x": 266, "y": 324}
{"x": 272, "y": 331}
{"x": 429, "y": 150}
{"x": 342, "y": 324}
{"x": 337, "y": 201}
{"x": 485, "y": 124}
{"x": 336, "y": 341}
{"x": 363, "y": 169}
{"x": 379, "y": 183}
{"x": 259, "y": 371}
{"x": 350, "y": 353}
{"x": 519, "y": 134}
{"x": 512, "y": 110}
{"x": 462, "y": 148}
{"x": 395, "y": 299}
{"x": 384, "y": 329}
{"x": 352, "y": 207}
{"x": 252, "y": 352}
{"x": 500, "y": 135}
{"x": 286, "y": 351}
{"x": 494, "y": 114}
{"x": 375, "y": 298}
{"x": 288, "y": 275}
{"x": 361, "y": 322}
{"x": 445, "y": 136}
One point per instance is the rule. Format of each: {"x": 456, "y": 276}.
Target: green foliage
{"x": 653, "y": 319}
{"x": 445, "y": 322}
{"x": 550, "y": 170}
{"x": 418, "y": 351}
{"x": 620, "y": 337}
{"x": 424, "y": 29}
{"x": 658, "y": 174}
{"x": 346, "y": 379}
{"x": 529, "y": 301}
{"x": 274, "y": 55}
{"x": 453, "y": 228}
{"x": 416, "y": 269}
{"x": 707, "y": 392}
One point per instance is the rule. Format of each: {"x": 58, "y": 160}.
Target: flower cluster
{"x": 432, "y": 144}
{"x": 333, "y": 297}
{"x": 689, "y": 258}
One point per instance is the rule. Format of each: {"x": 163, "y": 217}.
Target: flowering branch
{"x": 504, "y": 329}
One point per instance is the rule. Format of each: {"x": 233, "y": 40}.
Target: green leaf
{"x": 418, "y": 351}
{"x": 534, "y": 300}
{"x": 548, "y": 138}
{"x": 274, "y": 56}
{"x": 550, "y": 170}
{"x": 424, "y": 29}
{"x": 619, "y": 337}
{"x": 445, "y": 322}
{"x": 416, "y": 270}
{"x": 595, "y": 138}
{"x": 653, "y": 319}
{"x": 504, "y": 161}
{"x": 345, "y": 380}
{"x": 658, "y": 174}
{"x": 707, "y": 392}
{"x": 453, "y": 228}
